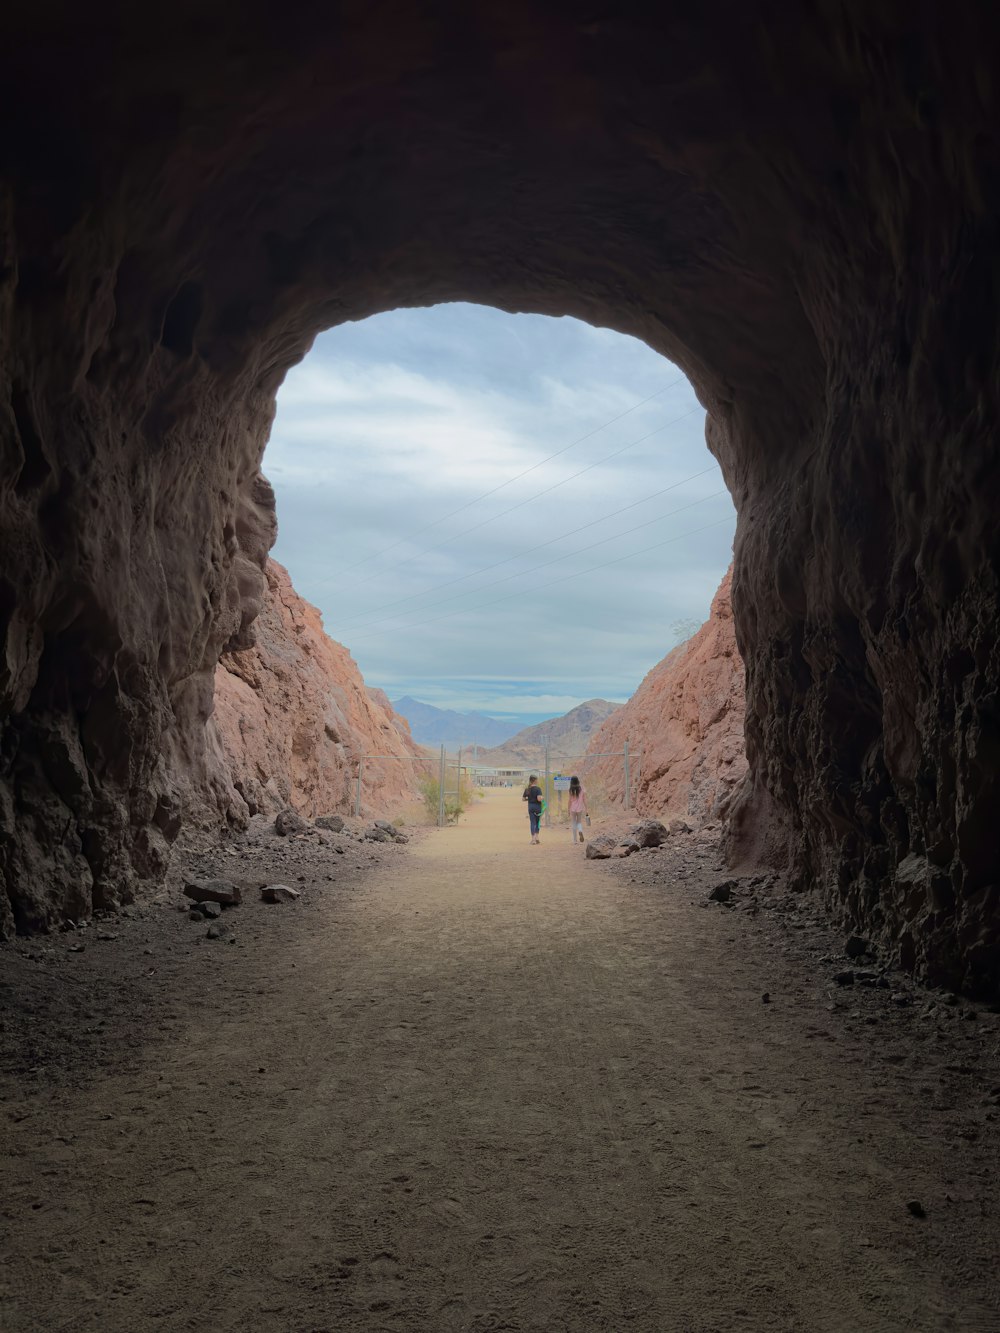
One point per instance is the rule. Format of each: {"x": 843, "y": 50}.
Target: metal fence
{"x": 413, "y": 759}
{"x": 628, "y": 757}
{"x": 631, "y": 764}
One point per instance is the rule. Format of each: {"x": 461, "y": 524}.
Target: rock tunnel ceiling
{"x": 800, "y": 209}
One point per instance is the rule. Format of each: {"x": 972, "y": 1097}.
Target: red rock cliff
{"x": 292, "y": 714}
{"x": 687, "y": 720}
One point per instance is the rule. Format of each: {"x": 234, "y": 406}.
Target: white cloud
{"x": 393, "y": 423}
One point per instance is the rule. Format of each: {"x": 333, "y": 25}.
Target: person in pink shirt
{"x": 577, "y": 808}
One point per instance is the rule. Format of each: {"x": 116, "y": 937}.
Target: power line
{"x": 537, "y": 496}
{"x": 510, "y": 481}
{"x": 556, "y": 560}
{"x": 604, "y": 564}
{"x": 519, "y": 555}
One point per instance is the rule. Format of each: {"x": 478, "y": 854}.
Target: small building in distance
{"x": 484, "y": 776}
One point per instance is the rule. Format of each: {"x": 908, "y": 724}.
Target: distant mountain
{"x": 437, "y": 726}
{"x": 567, "y": 737}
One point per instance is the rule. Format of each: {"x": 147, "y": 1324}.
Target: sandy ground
{"x": 483, "y": 1086}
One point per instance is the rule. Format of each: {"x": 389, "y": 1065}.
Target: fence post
{"x": 628, "y": 785}
{"x": 545, "y": 789}
{"x": 458, "y": 784}
{"x": 441, "y": 792}
{"x": 357, "y": 795}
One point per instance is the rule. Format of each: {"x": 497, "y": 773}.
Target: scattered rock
{"x": 289, "y": 822}
{"x": 279, "y": 893}
{"x": 212, "y": 891}
{"x": 650, "y": 833}
{"x": 722, "y": 892}
{"x": 626, "y": 847}
{"x": 856, "y": 946}
{"x": 865, "y": 977}
{"x": 211, "y": 910}
{"x": 379, "y": 834}
{"x": 218, "y": 930}
{"x": 680, "y": 826}
{"x": 600, "y": 848}
{"x": 900, "y": 998}
{"x": 196, "y": 914}
{"x": 845, "y": 978}
{"x": 106, "y": 935}
{"x": 332, "y": 822}
{"x": 916, "y": 1208}
{"x": 766, "y": 998}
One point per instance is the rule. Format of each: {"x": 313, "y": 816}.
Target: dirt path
{"x": 499, "y": 1088}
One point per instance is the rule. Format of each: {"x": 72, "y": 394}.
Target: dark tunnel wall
{"x": 798, "y": 204}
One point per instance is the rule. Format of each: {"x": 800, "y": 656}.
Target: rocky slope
{"x": 292, "y": 715}
{"x": 687, "y": 720}
{"x": 567, "y": 737}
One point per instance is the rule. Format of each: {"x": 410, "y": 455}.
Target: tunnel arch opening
{"x": 502, "y": 489}
{"x": 785, "y": 207}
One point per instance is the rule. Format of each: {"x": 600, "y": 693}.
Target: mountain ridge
{"x": 436, "y": 726}
{"x": 568, "y": 736}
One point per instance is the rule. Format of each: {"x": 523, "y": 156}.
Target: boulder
{"x": 722, "y": 892}
{"x": 680, "y": 826}
{"x": 333, "y": 823}
{"x": 650, "y": 833}
{"x": 600, "y": 848}
{"x": 279, "y": 893}
{"x": 289, "y": 822}
{"x": 212, "y": 891}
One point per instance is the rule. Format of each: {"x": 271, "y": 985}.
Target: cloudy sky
{"x": 502, "y": 513}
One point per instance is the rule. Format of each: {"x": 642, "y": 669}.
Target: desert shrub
{"x": 455, "y": 802}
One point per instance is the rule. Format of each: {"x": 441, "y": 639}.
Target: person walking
{"x": 533, "y": 795}
{"x": 577, "y": 808}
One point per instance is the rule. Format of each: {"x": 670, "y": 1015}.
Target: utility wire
{"x": 604, "y": 564}
{"x": 519, "y": 555}
{"x": 510, "y": 481}
{"x": 521, "y": 503}
{"x": 569, "y": 555}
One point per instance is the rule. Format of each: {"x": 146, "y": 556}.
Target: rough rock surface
{"x": 686, "y": 718}
{"x": 801, "y": 213}
{"x": 292, "y": 715}
{"x": 601, "y": 847}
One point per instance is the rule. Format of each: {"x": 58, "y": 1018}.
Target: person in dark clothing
{"x": 533, "y": 795}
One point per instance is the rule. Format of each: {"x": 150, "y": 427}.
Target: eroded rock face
{"x": 293, "y": 715}
{"x": 684, "y": 726}
{"x": 799, "y": 208}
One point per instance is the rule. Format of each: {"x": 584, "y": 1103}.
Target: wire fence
{"x": 547, "y": 757}
{"x": 631, "y": 772}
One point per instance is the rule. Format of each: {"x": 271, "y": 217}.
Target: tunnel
{"x": 795, "y": 204}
